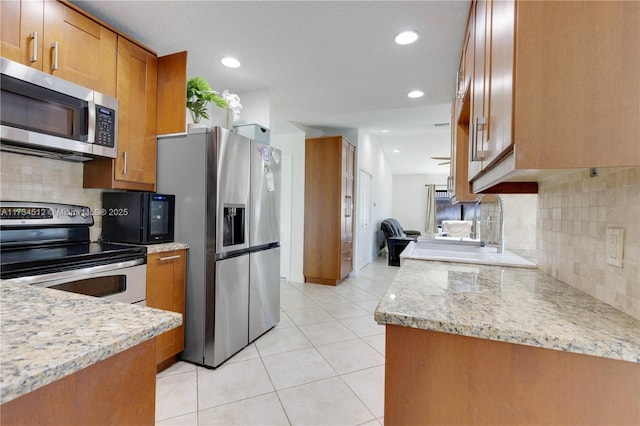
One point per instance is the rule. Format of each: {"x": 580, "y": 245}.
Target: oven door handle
{"x": 44, "y": 278}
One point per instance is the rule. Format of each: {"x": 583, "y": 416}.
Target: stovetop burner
{"x": 38, "y": 238}
{"x": 54, "y": 258}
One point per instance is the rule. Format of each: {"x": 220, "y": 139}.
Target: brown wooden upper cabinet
{"x": 54, "y": 38}
{"x": 555, "y": 86}
{"x": 328, "y": 209}
{"x": 135, "y": 166}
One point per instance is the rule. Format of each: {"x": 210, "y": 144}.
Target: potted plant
{"x": 199, "y": 94}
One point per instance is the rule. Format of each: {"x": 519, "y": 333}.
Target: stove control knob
{"x": 72, "y": 213}
{"x": 84, "y": 213}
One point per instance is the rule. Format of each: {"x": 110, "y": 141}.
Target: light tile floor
{"x": 323, "y": 364}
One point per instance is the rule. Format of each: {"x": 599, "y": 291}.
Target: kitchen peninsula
{"x": 475, "y": 344}
{"x": 77, "y": 359}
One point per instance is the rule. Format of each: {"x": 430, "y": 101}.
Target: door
{"x": 232, "y": 183}
{"x": 264, "y": 291}
{"x": 365, "y": 236}
{"x": 266, "y": 163}
{"x": 231, "y": 301}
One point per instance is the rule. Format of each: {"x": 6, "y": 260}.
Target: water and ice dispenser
{"x": 234, "y": 221}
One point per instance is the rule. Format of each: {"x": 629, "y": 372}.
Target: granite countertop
{"x": 47, "y": 334}
{"x": 160, "y": 248}
{"x": 515, "y": 305}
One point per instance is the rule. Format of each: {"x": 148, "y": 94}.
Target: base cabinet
{"x": 441, "y": 378}
{"x": 328, "y": 209}
{"x": 166, "y": 278}
{"x": 119, "y": 390}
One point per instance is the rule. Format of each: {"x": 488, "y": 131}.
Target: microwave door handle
{"x": 91, "y": 125}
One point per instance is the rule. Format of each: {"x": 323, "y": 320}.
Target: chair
{"x": 397, "y": 239}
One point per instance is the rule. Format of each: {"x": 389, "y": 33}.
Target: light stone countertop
{"x": 47, "y": 334}
{"x": 515, "y": 305}
{"x": 161, "y": 248}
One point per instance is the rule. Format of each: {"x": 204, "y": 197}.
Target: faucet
{"x": 474, "y": 227}
{"x": 476, "y": 222}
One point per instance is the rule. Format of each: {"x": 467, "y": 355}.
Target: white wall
{"x": 410, "y": 199}
{"x": 291, "y": 142}
{"x": 372, "y": 160}
{"x": 256, "y": 107}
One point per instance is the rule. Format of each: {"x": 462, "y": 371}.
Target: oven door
{"x": 123, "y": 282}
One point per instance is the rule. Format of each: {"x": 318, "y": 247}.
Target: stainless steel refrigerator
{"x": 227, "y": 190}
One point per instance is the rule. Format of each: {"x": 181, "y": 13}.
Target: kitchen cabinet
{"x": 328, "y": 209}
{"x": 172, "y": 88}
{"x": 479, "y": 99}
{"x": 120, "y": 389}
{"x": 555, "y": 84}
{"x": 444, "y": 378}
{"x": 166, "y": 278}
{"x": 458, "y": 183}
{"x": 135, "y": 167}
{"x": 55, "y": 38}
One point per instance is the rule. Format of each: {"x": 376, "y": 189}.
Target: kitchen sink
{"x": 469, "y": 251}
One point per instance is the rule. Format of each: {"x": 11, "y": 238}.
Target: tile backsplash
{"x": 29, "y": 178}
{"x": 574, "y": 211}
{"x": 520, "y": 214}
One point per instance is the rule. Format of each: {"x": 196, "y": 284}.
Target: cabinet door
{"x": 499, "y": 127}
{"x": 137, "y": 93}
{"x": 166, "y": 290}
{"x": 172, "y": 86}
{"x": 21, "y": 32}
{"x": 480, "y": 87}
{"x": 348, "y": 170}
{"x": 79, "y": 49}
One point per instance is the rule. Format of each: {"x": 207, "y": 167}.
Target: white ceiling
{"x": 326, "y": 63}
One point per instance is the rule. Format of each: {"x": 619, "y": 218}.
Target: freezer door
{"x": 232, "y": 184}
{"x": 231, "y": 313}
{"x": 265, "y": 194}
{"x": 264, "y": 292}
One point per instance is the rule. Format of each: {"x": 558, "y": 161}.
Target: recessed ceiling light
{"x": 230, "y": 62}
{"x": 384, "y": 131}
{"x": 396, "y": 150}
{"x": 406, "y": 37}
{"x": 416, "y": 94}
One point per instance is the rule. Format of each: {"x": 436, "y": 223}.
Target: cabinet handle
{"x": 54, "y": 65}
{"x": 34, "y": 55}
{"x": 177, "y": 256}
{"x": 124, "y": 163}
{"x": 479, "y": 125}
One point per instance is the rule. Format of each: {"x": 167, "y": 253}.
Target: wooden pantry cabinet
{"x": 554, "y": 87}
{"x": 328, "y": 209}
{"x": 166, "y": 279}
{"x": 57, "y": 39}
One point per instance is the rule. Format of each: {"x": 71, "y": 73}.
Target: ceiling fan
{"x": 448, "y": 160}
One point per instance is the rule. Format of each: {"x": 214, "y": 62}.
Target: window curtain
{"x": 430, "y": 226}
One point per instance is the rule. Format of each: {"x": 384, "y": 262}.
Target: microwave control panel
{"x": 105, "y": 126}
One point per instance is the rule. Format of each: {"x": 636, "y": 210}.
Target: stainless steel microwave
{"x": 138, "y": 217}
{"x": 51, "y": 117}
